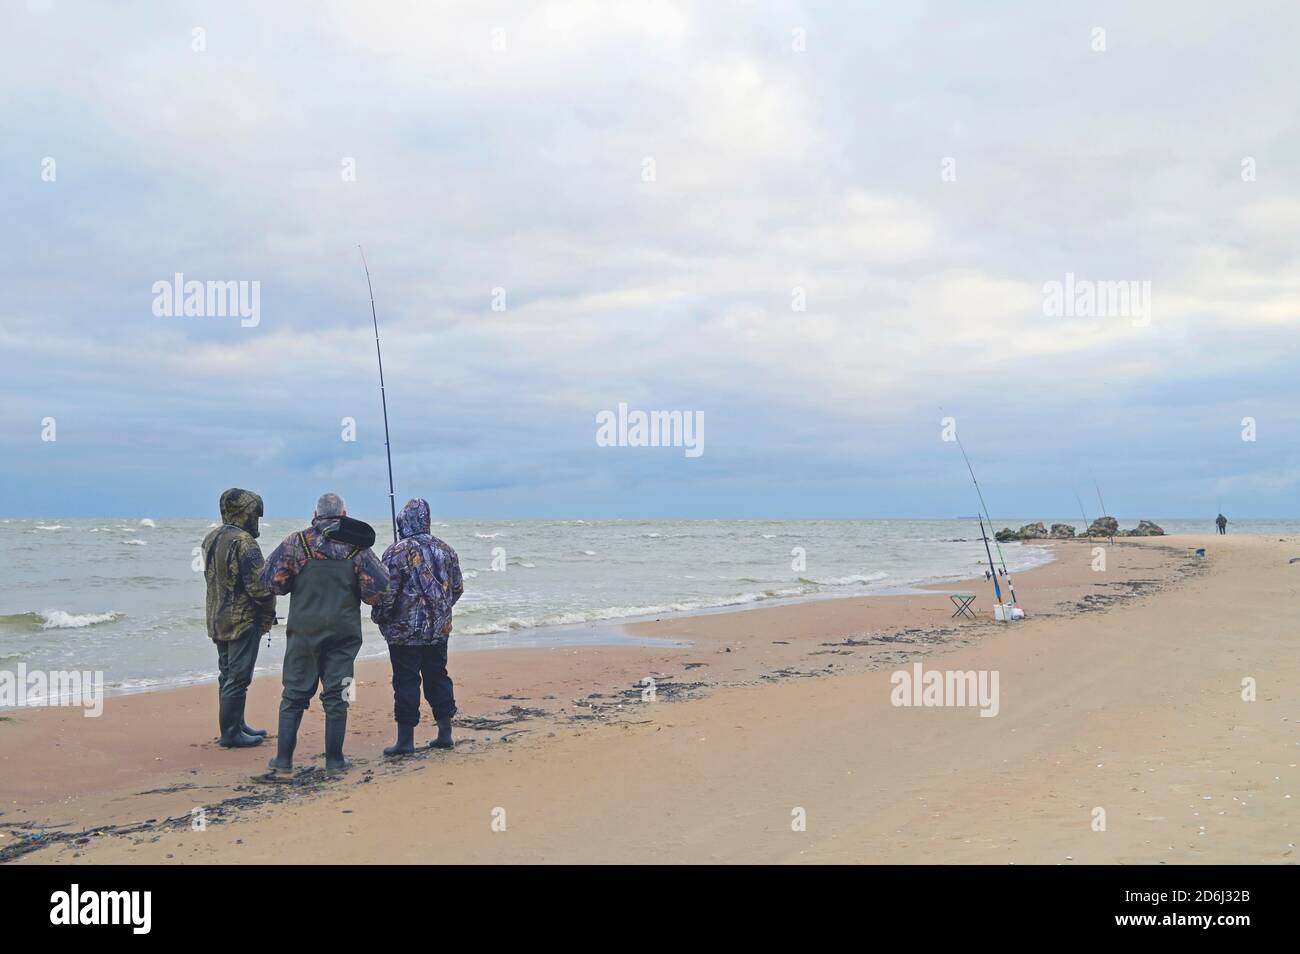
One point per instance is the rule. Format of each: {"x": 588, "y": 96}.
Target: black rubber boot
{"x": 443, "y": 741}
{"x": 405, "y": 744}
{"x": 336, "y": 729}
{"x": 244, "y": 725}
{"x": 285, "y": 743}
{"x": 232, "y": 736}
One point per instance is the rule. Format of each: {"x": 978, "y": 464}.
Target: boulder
{"x": 1033, "y": 531}
{"x": 1145, "y": 528}
{"x": 1104, "y": 527}
{"x": 1005, "y": 534}
{"x": 1063, "y": 531}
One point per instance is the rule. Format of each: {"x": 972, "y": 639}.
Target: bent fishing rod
{"x": 383, "y": 396}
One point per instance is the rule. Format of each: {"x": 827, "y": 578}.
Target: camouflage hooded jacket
{"x": 288, "y": 559}
{"x": 426, "y": 583}
{"x": 239, "y": 602}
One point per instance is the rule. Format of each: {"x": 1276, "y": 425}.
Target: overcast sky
{"x": 798, "y": 149}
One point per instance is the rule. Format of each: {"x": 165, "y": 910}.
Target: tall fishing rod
{"x": 993, "y": 571}
{"x": 383, "y": 396}
{"x": 1086, "y": 525}
{"x": 1010, "y": 586}
{"x": 1102, "y": 501}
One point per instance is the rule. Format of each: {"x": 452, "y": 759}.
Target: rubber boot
{"x": 232, "y": 736}
{"x": 405, "y": 744}
{"x": 336, "y": 729}
{"x": 285, "y": 743}
{"x": 443, "y": 741}
{"x": 244, "y": 725}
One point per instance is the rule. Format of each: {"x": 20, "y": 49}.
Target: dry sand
{"x": 1122, "y": 692}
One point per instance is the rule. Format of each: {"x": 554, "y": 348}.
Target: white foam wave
{"x": 60, "y": 619}
{"x": 512, "y": 623}
{"x": 148, "y": 522}
{"x": 851, "y": 580}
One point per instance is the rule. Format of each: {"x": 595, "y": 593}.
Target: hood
{"x": 414, "y": 518}
{"x": 326, "y": 525}
{"x": 241, "y": 508}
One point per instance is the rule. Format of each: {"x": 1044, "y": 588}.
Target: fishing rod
{"x": 1102, "y": 501}
{"x": 1086, "y": 525}
{"x": 1010, "y": 586}
{"x": 383, "y": 397}
{"x": 993, "y": 571}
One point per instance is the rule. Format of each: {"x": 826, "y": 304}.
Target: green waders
{"x": 323, "y": 637}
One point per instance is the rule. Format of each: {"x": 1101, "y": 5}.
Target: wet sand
{"x": 1121, "y": 692}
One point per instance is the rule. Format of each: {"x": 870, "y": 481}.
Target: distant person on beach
{"x": 240, "y": 608}
{"x": 329, "y": 580}
{"x": 415, "y": 619}
{"x": 1222, "y": 522}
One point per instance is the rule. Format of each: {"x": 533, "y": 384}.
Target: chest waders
{"x": 322, "y": 639}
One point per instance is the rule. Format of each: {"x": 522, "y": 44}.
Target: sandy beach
{"x": 1122, "y": 691}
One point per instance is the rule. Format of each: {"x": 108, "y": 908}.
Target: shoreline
{"x": 612, "y": 631}
{"x": 526, "y": 700}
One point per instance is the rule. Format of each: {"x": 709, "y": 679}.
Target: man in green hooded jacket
{"x": 241, "y": 608}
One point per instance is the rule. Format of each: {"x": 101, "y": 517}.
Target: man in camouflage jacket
{"x": 240, "y": 608}
{"x": 415, "y": 619}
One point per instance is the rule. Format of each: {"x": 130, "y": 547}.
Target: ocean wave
{"x": 59, "y": 619}
{"x": 588, "y": 552}
{"x": 147, "y": 522}
{"x": 138, "y": 543}
{"x": 513, "y": 623}
{"x": 50, "y": 526}
{"x": 488, "y": 536}
{"x": 56, "y": 619}
{"x": 847, "y": 580}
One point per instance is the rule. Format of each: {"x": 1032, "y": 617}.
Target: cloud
{"x": 504, "y": 146}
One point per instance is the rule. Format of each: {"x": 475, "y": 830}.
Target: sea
{"x": 125, "y": 596}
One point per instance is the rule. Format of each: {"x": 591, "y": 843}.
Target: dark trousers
{"x": 410, "y": 665}
{"x": 312, "y": 661}
{"x": 236, "y": 659}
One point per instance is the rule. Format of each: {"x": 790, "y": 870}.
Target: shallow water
{"x": 126, "y": 597}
